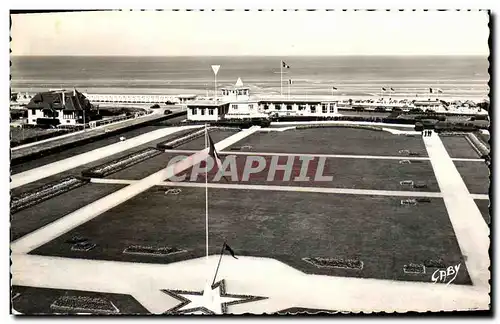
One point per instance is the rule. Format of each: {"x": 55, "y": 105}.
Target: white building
{"x": 237, "y": 103}
{"x": 58, "y": 107}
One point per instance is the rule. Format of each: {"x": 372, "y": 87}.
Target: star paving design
{"x": 214, "y": 302}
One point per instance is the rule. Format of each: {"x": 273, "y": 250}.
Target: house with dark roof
{"x": 58, "y": 107}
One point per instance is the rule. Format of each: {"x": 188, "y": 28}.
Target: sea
{"x": 460, "y": 77}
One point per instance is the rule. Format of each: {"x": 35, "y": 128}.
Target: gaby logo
{"x": 240, "y": 168}
{"x": 447, "y": 275}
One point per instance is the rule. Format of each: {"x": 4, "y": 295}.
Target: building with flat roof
{"x": 237, "y": 103}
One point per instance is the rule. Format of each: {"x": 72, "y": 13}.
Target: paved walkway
{"x": 50, "y": 169}
{"x": 284, "y": 286}
{"x": 55, "y": 229}
{"x": 343, "y": 191}
{"x": 471, "y": 230}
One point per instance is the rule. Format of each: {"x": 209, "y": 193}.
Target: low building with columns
{"x": 140, "y": 99}
{"x": 237, "y": 103}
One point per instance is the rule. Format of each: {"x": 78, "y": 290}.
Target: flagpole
{"x": 289, "y": 82}
{"x": 218, "y": 264}
{"x": 206, "y": 191}
{"x": 281, "y": 78}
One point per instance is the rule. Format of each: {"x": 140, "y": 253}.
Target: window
{"x": 324, "y": 108}
{"x": 313, "y": 108}
{"x": 33, "y": 120}
{"x": 211, "y": 111}
{"x": 266, "y": 107}
{"x": 194, "y": 110}
{"x": 202, "y": 112}
{"x": 250, "y": 106}
{"x": 67, "y": 121}
{"x": 33, "y": 111}
{"x": 332, "y": 108}
{"x": 235, "y": 107}
{"x": 277, "y": 106}
{"x": 288, "y": 107}
{"x": 302, "y": 107}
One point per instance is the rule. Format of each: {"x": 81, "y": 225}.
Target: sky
{"x": 179, "y": 33}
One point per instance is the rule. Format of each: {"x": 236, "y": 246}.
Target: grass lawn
{"x": 333, "y": 141}
{"x": 346, "y": 173}
{"x": 483, "y": 206}
{"x": 475, "y": 175}
{"x": 458, "y": 147}
{"x": 34, "y": 217}
{"x": 33, "y": 300}
{"x": 199, "y": 143}
{"x": 18, "y": 133}
{"x": 287, "y": 226}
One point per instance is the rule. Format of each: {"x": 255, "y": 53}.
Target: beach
{"x": 458, "y": 77}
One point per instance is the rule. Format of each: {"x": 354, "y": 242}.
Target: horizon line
{"x": 239, "y": 55}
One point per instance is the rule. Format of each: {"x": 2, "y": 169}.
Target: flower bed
{"x": 351, "y": 264}
{"x": 435, "y": 263}
{"x": 151, "y": 250}
{"x": 374, "y": 128}
{"x": 405, "y": 162}
{"x": 410, "y": 202}
{"x": 45, "y": 192}
{"x": 83, "y": 304}
{"x": 413, "y": 268}
{"x": 116, "y": 165}
{"x": 183, "y": 139}
{"x": 83, "y": 246}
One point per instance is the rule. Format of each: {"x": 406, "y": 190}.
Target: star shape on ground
{"x": 194, "y": 302}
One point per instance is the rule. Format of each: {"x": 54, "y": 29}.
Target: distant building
{"x": 58, "y": 107}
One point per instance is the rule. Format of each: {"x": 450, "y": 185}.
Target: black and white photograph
{"x": 291, "y": 162}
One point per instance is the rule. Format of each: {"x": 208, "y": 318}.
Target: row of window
{"x": 237, "y": 92}
{"x": 202, "y": 111}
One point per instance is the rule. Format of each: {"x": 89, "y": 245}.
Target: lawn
{"x": 34, "y": 217}
{"x": 333, "y": 141}
{"x": 483, "y": 206}
{"x": 346, "y": 173}
{"x": 91, "y": 146}
{"x": 199, "y": 143}
{"x": 31, "y": 300}
{"x": 287, "y": 226}
{"x": 458, "y": 147}
{"x": 475, "y": 175}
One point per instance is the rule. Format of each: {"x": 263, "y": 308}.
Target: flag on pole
{"x": 214, "y": 154}
{"x": 384, "y": 89}
{"x": 440, "y": 91}
{"x": 228, "y": 249}
{"x": 334, "y": 88}
{"x": 430, "y": 90}
{"x": 286, "y": 66}
{"x": 290, "y": 81}
{"x": 392, "y": 89}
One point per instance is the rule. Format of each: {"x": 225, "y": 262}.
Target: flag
{"x": 392, "y": 89}
{"x": 228, "y": 249}
{"x": 440, "y": 91}
{"x": 286, "y": 66}
{"x": 430, "y": 90}
{"x": 213, "y": 153}
{"x": 290, "y": 81}
{"x": 384, "y": 89}
{"x": 334, "y": 88}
